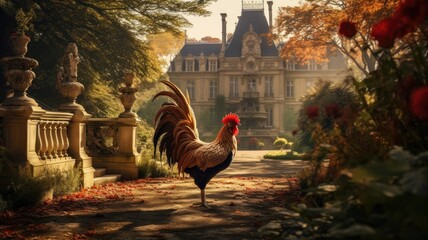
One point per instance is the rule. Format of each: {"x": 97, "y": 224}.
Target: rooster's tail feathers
{"x": 174, "y": 120}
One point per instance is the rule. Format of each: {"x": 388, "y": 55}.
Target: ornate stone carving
{"x": 66, "y": 79}
{"x": 18, "y": 73}
{"x": 251, "y": 43}
{"x": 127, "y": 98}
{"x": 102, "y": 139}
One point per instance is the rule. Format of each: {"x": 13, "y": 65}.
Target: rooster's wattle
{"x": 175, "y": 127}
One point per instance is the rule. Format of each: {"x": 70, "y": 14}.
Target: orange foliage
{"x": 209, "y": 39}
{"x": 313, "y": 26}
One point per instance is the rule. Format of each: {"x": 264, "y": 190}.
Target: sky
{"x": 211, "y": 25}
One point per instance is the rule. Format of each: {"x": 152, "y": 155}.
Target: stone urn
{"x": 19, "y": 45}
{"x": 127, "y": 98}
{"x": 70, "y": 91}
{"x": 18, "y": 73}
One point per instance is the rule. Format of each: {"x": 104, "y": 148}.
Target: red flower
{"x": 408, "y": 15}
{"x": 384, "y": 32}
{"x": 312, "y": 112}
{"x": 419, "y": 102}
{"x": 333, "y": 110}
{"x": 412, "y": 12}
{"x": 347, "y": 29}
{"x": 294, "y": 132}
{"x": 406, "y": 84}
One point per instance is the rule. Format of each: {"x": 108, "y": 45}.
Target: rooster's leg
{"x": 204, "y": 199}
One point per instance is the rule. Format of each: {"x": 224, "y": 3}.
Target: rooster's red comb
{"x": 231, "y": 118}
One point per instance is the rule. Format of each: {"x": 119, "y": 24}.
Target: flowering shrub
{"x": 419, "y": 102}
{"x": 374, "y": 185}
{"x": 326, "y": 105}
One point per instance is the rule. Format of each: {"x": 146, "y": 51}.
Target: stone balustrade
{"x": 51, "y": 141}
{"x": 36, "y": 138}
{"x": 42, "y": 140}
{"x": 258, "y": 133}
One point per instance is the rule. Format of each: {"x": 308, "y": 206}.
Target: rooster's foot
{"x": 202, "y": 205}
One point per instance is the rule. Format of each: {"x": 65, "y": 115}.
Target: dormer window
{"x": 190, "y": 65}
{"x": 212, "y": 65}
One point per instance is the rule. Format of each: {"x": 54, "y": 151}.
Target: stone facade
{"x": 247, "y": 69}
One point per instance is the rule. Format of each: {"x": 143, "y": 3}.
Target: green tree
{"x": 219, "y": 110}
{"x": 111, "y": 36}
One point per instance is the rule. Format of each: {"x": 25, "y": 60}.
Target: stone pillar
{"x": 223, "y": 32}
{"x": 269, "y": 3}
{"x": 127, "y": 122}
{"x": 70, "y": 89}
{"x": 77, "y": 136}
{"x": 127, "y": 156}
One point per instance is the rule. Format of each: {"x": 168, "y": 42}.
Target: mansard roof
{"x": 196, "y": 49}
{"x": 257, "y": 19}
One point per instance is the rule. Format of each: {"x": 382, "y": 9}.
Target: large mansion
{"x": 248, "y": 72}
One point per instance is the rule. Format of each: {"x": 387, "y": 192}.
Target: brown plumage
{"x": 176, "y": 129}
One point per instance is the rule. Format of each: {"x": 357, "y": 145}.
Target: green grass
{"x": 286, "y": 155}
{"x": 149, "y": 168}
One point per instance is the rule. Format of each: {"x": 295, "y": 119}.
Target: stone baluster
{"x": 60, "y": 140}
{"x": 43, "y": 140}
{"x": 54, "y": 140}
{"x": 39, "y": 140}
{"x": 49, "y": 140}
{"x": 65, "y": 140}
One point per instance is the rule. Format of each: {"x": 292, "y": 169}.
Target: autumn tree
{"x": 111, "y": 36}
{"x": 166, "y": 45}
{"x": 209, "y": 39}
{"x": 312, "y": 29}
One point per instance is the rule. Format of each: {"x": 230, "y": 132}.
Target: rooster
{"x": 175, "y": 127}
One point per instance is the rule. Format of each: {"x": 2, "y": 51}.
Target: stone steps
{"x": 101, "y": 177}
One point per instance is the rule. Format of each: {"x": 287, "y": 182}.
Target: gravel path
{"x": 247, "y": 203}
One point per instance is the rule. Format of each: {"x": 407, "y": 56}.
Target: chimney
{"x": 270, "y": 13}
{"x": 223, "y": 31}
